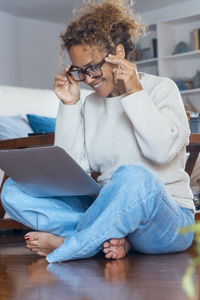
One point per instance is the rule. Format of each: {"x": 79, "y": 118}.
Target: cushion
{"x": 14, "y": 127}
{"x": 41, "y": 124}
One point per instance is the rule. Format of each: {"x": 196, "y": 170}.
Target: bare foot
{"x": 116, "y": 248}
{"x": 42, "y": 242}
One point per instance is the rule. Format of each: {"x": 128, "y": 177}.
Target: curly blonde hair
{"x": 104, "y": 24}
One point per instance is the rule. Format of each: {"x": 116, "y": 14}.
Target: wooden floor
{"x": 25, "y": 276}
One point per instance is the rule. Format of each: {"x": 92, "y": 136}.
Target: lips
{"x": 98, "y": 85}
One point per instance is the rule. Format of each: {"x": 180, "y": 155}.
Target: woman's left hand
{"x": 125, "y": 71}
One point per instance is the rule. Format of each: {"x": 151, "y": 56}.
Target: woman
{"x": 133, "y": 130}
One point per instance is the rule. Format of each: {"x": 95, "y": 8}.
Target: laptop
{"x": 47, "y": 172}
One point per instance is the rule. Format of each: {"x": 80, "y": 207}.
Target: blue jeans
{"x": 133, "y": 204}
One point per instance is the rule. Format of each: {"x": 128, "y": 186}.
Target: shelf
{"x": 182, "y": 55}
{"x": 169, "y": 33}
{"x": 146, "y": 61}
{"x": 192, "y": 91}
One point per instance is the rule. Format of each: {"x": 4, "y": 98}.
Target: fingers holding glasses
{"x": 60, "y": 81}
{"x": 120, "y": 62}
{"x": 126, "y": 71}
{"x": 66, "y": 89}
{"x": 67, "y": 68}
{"x": 62, "y": 78}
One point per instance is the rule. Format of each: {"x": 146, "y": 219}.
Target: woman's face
{"x": 84, "y": 56}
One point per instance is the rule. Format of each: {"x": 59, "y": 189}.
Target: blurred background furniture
{"x": 15, "y": 104}
{"x": 33, "y": 141}
{"x": 193, "y": 149}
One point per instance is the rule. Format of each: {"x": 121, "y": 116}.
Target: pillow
{"x": 12, "y": 127}
{"x": 41, "y": 124}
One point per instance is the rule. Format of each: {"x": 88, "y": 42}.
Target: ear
{"x": 120, "y": 51}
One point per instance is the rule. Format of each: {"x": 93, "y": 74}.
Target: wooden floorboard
{"x": 25, "y": 276}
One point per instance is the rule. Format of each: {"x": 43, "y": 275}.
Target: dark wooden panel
{"x": 195, "y": 138}
{"x": 197, "y": 216}
{"x": 11, "y": 224}
{"x": 32, "y": 141}
{"x": 194, "y": 150}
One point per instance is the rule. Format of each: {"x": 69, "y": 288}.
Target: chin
{"x": 102, "y": 94}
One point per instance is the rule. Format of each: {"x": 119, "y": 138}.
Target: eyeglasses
{"x": 94, "y": 71}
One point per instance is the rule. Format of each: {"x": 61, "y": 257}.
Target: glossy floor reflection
{"x": 23, "y": 275}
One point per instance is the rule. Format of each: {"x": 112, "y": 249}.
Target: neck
{"x": 119, "y": 89}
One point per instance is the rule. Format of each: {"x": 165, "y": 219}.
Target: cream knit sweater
{"x": 147, "y": 128}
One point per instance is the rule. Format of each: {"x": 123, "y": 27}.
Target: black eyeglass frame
{"x": 85, "y": 71}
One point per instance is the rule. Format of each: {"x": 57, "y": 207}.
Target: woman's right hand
{"x": 66, "y": 88}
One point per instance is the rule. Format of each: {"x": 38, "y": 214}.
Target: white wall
{"x": 186, "y": 8}
{"x": 29, "y": 52}
{"x": 29, "y": 48}
{"x": 9, "y": 50}
{"x": 39, "y": 48}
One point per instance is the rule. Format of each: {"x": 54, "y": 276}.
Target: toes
{"x": 32, "y": 244}
{"x": 31, "y": 239}
{"x": 28, "y": 247}
{"x": 27, "y": 237}
{"x": 118, "y": 248}
{"x": 114, "y": 256}
{"x": 106, "y": 244}
{"x": 116, "y": 242}
{"x": 35, "y": 249}
{"x": 122, "y": 241}
{"x": 109, "y": 255}
{"x": 113, "y": 249}
{"x": 30, "y": 236}
{"x": 106, "y": 250}
{"x": 27, "y": 243}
